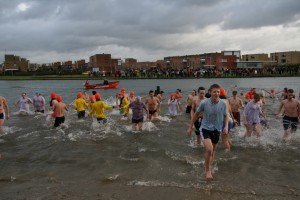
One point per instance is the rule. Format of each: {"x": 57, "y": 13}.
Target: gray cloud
{"x": 146, "y": 30}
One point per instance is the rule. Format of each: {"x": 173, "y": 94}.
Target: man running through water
{"x": 153, "y": 105}
{"x": 214, "y": 112}
{"x": 189, "y": 101}
{"x": 291, "y": 116}
{"x": 236, "y": 104}
{"x": 59, "y": 109}
{"x": 3, "y": 108}
{"x": 195, "y": 104}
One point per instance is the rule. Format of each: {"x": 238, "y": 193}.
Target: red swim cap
{"x": 92, "y": 98}
{"x": 222, "y": 92}
{"x": 121, "y": 94}
{"x": 97, "y": 96}
{"x": 52, "y": 95}
{"x": 79, "y": 95}
{"x": 122, "y": 89}
{"x": 59, "y": 98}
{"x": 173, "y": 95}
{"x": 131, "y": 92}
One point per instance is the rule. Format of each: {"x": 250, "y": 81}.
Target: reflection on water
{"x": 113, "y": 162}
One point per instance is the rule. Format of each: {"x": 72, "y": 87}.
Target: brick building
{"x": 12, "y": 62}
{"x": 102, "y": 62}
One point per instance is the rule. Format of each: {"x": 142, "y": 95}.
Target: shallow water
{"x": 85, "y": 160}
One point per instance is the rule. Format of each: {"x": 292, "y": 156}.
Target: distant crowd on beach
{"x": 212, "y": 112}
{"x": 200, "y": 72}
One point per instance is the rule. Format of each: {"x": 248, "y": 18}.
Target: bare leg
{"x": 133, "y": 126}
{"x": 209, "y": 155}
{"x": 1, "y": 125}
{"x": 140, "y": 126}
{"x": 258, "y": 129}
{"x": 286, "y": 133}
{"x": 225, "y": 139}
{"x": 198, "y": 139}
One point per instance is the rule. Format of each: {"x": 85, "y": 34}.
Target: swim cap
{"x": 52, "y": 95}
{"x": 79, "y": 94}
{"x": 222, "y": 92}
{"x": 121, "y": 94}
{"x": 97, "y": 96}
{"x": 37, "y": 91}
{"x": 92, "y": 98}
{"x": 59, "y": 98}
{"x": 173, "y": 95}
{"x": 131, "y": 92}
{"x": 123, "y": 89}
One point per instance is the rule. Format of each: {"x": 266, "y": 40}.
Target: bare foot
{"x": 209, "y": 176}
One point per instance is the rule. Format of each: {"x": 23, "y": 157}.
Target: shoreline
{"x": 82, "y": 77}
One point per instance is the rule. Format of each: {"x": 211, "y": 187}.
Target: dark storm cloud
{"x": 149, "y": 25}
{"x": 253, "y": 14}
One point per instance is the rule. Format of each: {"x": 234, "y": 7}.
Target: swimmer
{"x": 189, "y": 101}
{"x": 39, "y": 102}
{"x": 59, "y": 109}
{"x": 291, "y": 117}
{"x": 24, "y": 102}
{"x": 3, "y": 109}
{"x": 153, "y": 105}
{"x": 178, "y": 97}
{"x": 173, "y": 105}
{"x": 195, "y": 105}
{"x": 211, "y": 127}
{"x": 98, "y": 109}
{"x": 225, "y": 137}
{"x": 80, "y": 104}
{"x": 53, "y": 101}
{"x": 236, "y": 104}
{"x": 252, "y": 114}
{"x": 131, "y": 97}
{"x": 137, "y": 113}
{"x": 123, "y": 106}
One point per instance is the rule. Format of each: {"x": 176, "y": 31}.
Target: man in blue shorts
{"x": 214, "y": 114}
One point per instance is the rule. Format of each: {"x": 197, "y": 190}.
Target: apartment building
{"x": 130, "y": 63}
{"x": 286, "y": 58}
{"x": 102, "y": 62}
{"x": 255, "y": 57}
{"x": 12, "y": 62}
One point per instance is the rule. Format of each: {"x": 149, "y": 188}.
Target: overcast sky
{"x": 148, "y": 30}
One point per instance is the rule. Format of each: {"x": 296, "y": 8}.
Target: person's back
{"x": 59, "y": 108}
{"x": 80, "y": 104}
{"x": 98, "y": 109}
{"x": 137, "y": 109}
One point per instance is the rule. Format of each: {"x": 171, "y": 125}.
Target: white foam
{"x": 164, "y": 119}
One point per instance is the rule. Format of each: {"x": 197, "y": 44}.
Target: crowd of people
{"x": 212, "y": 113}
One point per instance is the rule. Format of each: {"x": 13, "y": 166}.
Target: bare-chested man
{"x": 236, "y": 103}
{"x": 189, "y": 101}
{"x": 3, "y": 108}
{"x": 195, "y": 104}
{"x": 59, "y": 108}
{"x": 153, "y": 105}
{"x": 291, "y": 116}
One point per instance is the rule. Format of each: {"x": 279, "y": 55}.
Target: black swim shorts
{"x": 213, "y": 135}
